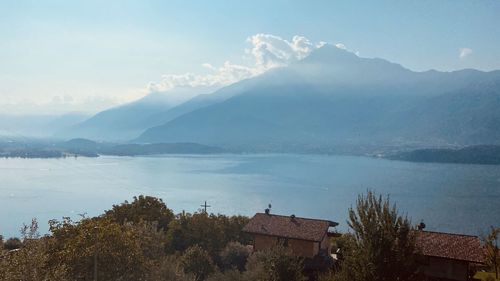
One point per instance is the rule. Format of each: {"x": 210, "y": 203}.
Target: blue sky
{"x": 87, "y": 55}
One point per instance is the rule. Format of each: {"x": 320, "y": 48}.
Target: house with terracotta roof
{"x": 304, "y": 236}
{"x": 447, "y": 256}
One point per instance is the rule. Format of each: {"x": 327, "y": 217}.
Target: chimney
{"x": 421, "y": 226}
{"x": 268, "y": 209}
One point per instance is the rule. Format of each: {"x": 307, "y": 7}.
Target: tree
{"x": 229, "y": 275}
{"x": 168, "y": 270}
{"x": 210, "y": 232}
{"x": 117, "y": 249}
{"x": 382, "y": 244}
{"x": 234, "y": 256}
{"x": 492, "y": 251}
{"x": 143, "y": 208}
{"x": 276, "y": 264}
{"x": 12, "y": 243}
{"x": 29, "y": 263}
{"x": 197, "y": 261}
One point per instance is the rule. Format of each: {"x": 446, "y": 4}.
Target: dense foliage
{"x": 142, "y": 209}
{"x": 197, "y": 262}
{"x": 138, "y": 240}
{"x": 492, "y": 250}
{"x": 143, "y": 240}
{"x": 381, "y": 246}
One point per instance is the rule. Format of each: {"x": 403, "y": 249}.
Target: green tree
{"x": 276, "y": 264}
{"x": 29, "y": 262}
{"x": 234, "y": 256}
{"x": 143, "y": 208}
{"x": 167, "y": 269}
{"x": 492, "y": 251}
{"x": 229, "y": 275}
{"x": 382, "y": 244}
{"x": 12, "y": 243}
{"x": 117, "y": 249}
{"x": 210, "y": 232}
{"x": 197, "y": 261}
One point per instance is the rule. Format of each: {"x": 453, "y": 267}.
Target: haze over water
{"x": 448, "y": 197}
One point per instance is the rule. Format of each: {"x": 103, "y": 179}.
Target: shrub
{"x": 234, "y": 256}
{"x": 277, "y": 264}
{"x": 196, "y": 261}
{"x": 168, "y": 269}
{"x": 13, "y": 243}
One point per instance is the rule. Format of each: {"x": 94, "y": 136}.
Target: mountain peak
{"x": 329, "y": 53}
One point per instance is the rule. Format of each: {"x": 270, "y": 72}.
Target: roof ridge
{"x": 448, "y": 233}
{"x": 284, "y": 216}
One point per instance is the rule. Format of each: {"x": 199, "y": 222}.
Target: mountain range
{"x": 331, "y": 98}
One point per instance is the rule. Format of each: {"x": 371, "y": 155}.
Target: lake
{"x": 448, "y": 197}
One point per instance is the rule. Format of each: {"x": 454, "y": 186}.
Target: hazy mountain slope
{"x": 122, "y": 122}
{"x": 195, "y": 103}
{"x": 335, "y": 97}
{"x": 470, "y": 115}
{"x": 292, "y": 116}
{"x": 38, "y": 125}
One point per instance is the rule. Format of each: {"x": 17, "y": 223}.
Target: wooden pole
{"x": 496, "y": 257}
{"x": 95, "y": 253}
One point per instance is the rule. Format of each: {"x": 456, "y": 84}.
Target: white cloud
{"x": 266, "y": 51}
{"x": 226, "y": 74}
{"x": 464, "y": 52}
{"x": 341, "y": 46}
{"x": 271, "y": 50}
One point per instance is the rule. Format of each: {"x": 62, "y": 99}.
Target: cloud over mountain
{"x": 266, "y": 51}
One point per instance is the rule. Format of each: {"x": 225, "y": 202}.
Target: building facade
{"x": 447, "y": 256}
{"x": 303, "y": 236}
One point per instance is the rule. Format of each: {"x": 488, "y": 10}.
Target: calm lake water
{"x": 448, "y": 197}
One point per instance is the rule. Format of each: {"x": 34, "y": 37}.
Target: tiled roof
{"x": 450, "y": 246}
{"x": 288, "y": 227}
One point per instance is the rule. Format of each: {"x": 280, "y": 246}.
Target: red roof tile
{"x": 288, "y": 227}
{"x": 450, "y": 246}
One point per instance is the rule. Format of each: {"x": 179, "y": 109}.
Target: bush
{"x": 168, "y": 269}
{"x": 210, "y": 232}
{"x": 277, "y": 264}
{"x": 13, "y": 243}
{"x": 196, "y": 261}
{"x": 118, "y": 249}
{"x": 234, "y": 256}
{"x": 229, "y": 275}
{"x": 29, "y": 263}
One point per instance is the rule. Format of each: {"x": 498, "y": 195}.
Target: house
{"x": 305, "y": 237}
{"x": 446, "y": 256}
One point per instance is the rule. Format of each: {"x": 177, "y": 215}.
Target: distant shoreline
{"x": 478, "y": 154}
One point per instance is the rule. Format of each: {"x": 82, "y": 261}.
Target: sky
{"x": 65, "y": 56}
